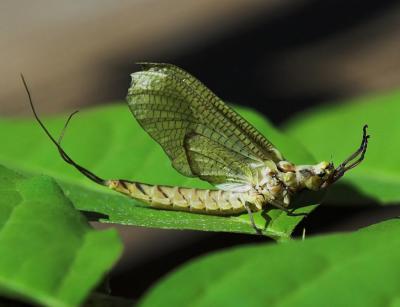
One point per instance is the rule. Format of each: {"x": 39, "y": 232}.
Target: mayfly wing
{"x": 214, "y": 163}
{"x": 195, "y": 127}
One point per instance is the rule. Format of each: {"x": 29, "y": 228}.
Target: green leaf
{"x": 335, "y": 270}
{"x": 336, "y": 130}
{"x": 109, "y": 142}
{"x": 49, "y": 253}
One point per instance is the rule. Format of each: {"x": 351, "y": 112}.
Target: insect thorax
{"x": 278, "y": 182}
{"x": 274, "y": 184}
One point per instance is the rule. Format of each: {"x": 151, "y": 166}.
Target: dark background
{"x": 279, "y": 57}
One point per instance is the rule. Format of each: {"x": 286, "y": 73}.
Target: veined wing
{"x": 202, "y": 136}
{"x": 215, "y": 163}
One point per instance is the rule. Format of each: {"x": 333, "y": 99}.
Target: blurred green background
{"x": 278, "y": 57}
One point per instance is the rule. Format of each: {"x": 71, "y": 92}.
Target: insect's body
{"x": 205, "y": 138}
{"x": 216, "y": 202}
{"x": 273, "y": 185}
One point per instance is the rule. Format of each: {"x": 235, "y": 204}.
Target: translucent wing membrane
{"x": 215, "y": 163}
{"x": 194, "y": 127}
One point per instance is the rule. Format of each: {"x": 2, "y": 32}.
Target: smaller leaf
{"x": 49, "y": 253}
{"x": 335, "y": 270}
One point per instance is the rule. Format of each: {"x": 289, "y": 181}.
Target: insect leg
{"x": 288, "y": 211}
{"x": 343, "y": 167}
{"x": 361, "y": 149}
{"x": 258, "y": 231}
{"x": 279, "y": 205}
{"x": 360, "y": 159}
{"x": 291, "y": 213}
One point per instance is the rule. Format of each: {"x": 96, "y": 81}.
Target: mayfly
{"x": 205, "y": 138}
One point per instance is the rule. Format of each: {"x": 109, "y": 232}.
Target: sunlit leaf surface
{"x": 334, "y": 270}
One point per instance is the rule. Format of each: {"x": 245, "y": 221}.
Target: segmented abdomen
{"x": 215, "y": 202}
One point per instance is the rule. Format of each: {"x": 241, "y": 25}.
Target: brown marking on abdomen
{"x": 214, "y": 202}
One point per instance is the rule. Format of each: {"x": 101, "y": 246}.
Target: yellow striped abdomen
{"x": 217, "y": 202}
